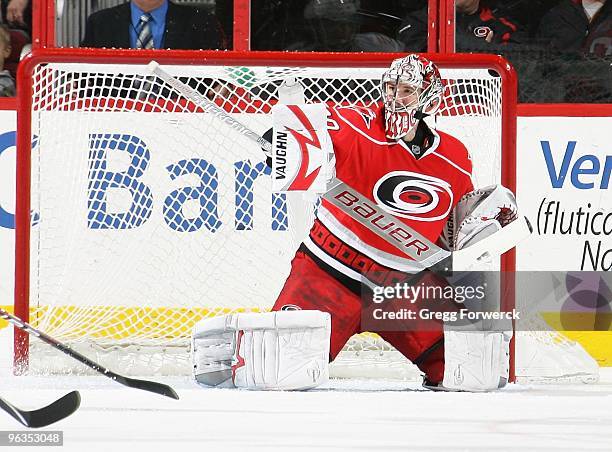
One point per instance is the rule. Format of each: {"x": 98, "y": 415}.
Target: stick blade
{"x": 151, "y": 386}
{"x": 58, "y": 410}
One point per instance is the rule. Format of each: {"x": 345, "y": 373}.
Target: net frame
{"x": 120, "y": 57}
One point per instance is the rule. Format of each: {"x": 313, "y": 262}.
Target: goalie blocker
{"x": 302, "y": 151}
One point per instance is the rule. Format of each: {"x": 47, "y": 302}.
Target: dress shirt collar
{"x": 158, "y": 14}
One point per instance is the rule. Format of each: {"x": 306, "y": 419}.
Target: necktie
{"x": 145, "y": 37}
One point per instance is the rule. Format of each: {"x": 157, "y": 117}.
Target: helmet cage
{"x": 419, "y": 74}
{"x": 411, "y": 89}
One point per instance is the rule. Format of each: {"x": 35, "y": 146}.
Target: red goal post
{"x": 76, "y": 276}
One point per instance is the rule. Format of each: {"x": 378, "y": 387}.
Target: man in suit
{"x": 158, "y": 24}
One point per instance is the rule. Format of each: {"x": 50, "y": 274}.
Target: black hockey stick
{"x": 47, "y": 415}
{"x": 145, "y": 385}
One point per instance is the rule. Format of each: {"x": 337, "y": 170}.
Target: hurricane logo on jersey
{"x": 414, "y": 196}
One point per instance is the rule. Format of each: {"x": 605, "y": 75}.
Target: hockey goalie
{"x": 421, "y": 176}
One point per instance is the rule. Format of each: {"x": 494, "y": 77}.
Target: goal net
{"x": 148, "y": 214}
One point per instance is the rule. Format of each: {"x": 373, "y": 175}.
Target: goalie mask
{"x": 411, "y": 89}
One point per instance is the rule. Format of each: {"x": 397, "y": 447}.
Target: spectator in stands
{"x": 481, "y": 25}
{"x": 485, "y": 24}
{"x": 18, "y": 14}
{"x": 7, "y": 84}
{"x": 153, "y": 24}
{"x": 334, "y": 26}
{"x": 579, "y": 27}
{"x": 578, "y": 38}
{"x": 413, "y": 29}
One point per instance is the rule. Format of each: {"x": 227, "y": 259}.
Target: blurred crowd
{"x": 562, "y": 49}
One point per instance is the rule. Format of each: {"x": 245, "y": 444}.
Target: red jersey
{"x": 420, "y": 190}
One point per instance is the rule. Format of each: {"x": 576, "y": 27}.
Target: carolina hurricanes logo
{"x": 482, "y": 32}
{"x": 413, "y": 195}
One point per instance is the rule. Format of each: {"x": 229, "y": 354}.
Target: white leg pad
{"x": 285, "y": 350}
{"x": 476, "y": 361}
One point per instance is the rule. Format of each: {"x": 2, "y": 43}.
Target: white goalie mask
{"x": 411, "y": 89}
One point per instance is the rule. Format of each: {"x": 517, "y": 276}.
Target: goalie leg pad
{"x": 284, "y": 350}
{"x": 213, "y": 344}
{"x": 476, "y": 361}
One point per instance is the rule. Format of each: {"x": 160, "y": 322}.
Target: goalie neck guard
{"x": 411, "y": 89}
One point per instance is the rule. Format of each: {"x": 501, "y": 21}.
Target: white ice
{"x": 345, "y": 415}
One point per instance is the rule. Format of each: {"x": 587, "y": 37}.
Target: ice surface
{"x": 345, "y": 415}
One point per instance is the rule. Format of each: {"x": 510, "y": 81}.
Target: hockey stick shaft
{"x": 145, "y": 385}
{"x": 406, "y": 239}
{"x": 47, "y": 415}
{"x": 208, "y": 106}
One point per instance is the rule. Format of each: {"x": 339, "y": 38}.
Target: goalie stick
{"x": 416, "y": 246}
{"x": 145, "y": 385}
{"x": 47, "y": 415}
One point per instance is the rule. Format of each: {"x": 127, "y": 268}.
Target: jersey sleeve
{"x": 347, "y": 125}
{"x": 468, "y": 181}
{"x": 462, "y": 183}
{"x": 340, "y": 136}
{"x": 458, "y": 154}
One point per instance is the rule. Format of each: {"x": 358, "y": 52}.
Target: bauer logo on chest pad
{"x": 413, "y": 195}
